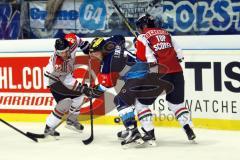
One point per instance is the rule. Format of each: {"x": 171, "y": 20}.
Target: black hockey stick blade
{"x": 35, "y": 135}
{"x": 89, "y": 140}
{"x": 18, "y": 130}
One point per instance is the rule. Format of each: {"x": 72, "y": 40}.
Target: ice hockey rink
{"x": 172, "y": 144}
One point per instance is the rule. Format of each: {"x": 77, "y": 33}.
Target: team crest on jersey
{"x": 124, "y": 91}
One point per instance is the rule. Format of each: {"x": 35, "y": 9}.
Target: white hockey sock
{"x": 144, "y": 116}
{"x": 182, "y": 114}
{"x": 73, "y": 114}
{"x": 52, "y": 121}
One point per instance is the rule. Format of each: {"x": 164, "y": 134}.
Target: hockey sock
{"x": 128, "y": 117}
{"x": 73, "y": 114}
{"x": 55, "y": 117}
{"x": 144, "y": 116}
{"x": 53, "y": 120}
{"x": 182, "y": 114}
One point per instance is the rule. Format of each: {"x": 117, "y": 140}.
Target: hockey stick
{"x": 61, "y": 89}
{"x": 18, "y": 130}
{"x": 119, "y": 12}
{"x": 90, "y": 139}
{"x": 130, "y": 53}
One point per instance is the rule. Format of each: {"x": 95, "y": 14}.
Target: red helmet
{"x": 71, "y": 38}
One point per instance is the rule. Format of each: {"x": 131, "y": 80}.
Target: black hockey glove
{"x": 81, "y": 88}
{"x": 89, "y": 92}
{"x": 93, "y": 93}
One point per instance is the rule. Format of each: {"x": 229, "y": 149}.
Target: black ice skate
{"x": 189, "y": 132}
{"x": 76, "y": 126}
{"x": 149, "y": 137}
{"x": 50, "y": 131}
{"x": 133, "y": 136}
{"x": 122, "y": 134}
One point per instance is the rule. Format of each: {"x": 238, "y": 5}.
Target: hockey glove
{"x": 88, "y": 91}
{"x": 81, "y": 88}
{"x": 93, "y": 93}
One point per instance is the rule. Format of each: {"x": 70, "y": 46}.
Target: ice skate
{"x": 122, "y": 135}
{"x": 149, "y": 137}
{"x": 190, "y": 134}
{"x": 133, "y": 137}
{"x": 75, "y": 126}
{"x": 50, "y": 132}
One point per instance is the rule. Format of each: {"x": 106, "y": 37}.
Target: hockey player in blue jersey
{"x": 136, "y": 94}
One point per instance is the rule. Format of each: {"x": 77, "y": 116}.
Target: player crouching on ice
{"x": 115, "y": 64}
{"x": 66, "y": 90}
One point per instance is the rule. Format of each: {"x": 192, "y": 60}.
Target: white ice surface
{"x": 172, "y": 145}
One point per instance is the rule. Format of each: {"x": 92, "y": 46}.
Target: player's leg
{"x": 62, "y": 106}
{"x": 176, "y": 103}
{"x": 145, "y": 118}
{"x": 127, "y": 116}
{"x": 74, "y": 111}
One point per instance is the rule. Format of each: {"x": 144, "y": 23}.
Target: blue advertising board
{"x": 9, "y": 22}
{"x": 90, "y": 18}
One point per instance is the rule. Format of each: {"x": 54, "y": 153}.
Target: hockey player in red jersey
{"x": 168, "y": 55}
{"x": 66, "y": 90}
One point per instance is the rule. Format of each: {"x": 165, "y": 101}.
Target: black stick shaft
{"x": 123, "y": 17}
{"x": 18, "y": 130}
{"x": 91, "y": 115}
{"x": 90, "y": 139}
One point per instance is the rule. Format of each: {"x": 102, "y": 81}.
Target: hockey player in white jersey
{"x": 66, "y": 90}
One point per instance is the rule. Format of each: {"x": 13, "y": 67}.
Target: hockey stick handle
{"x": 18, "y": 130}
{"x": 130, "y": 53}
{"x": 90, "y": 139}
{"x": 123, "y": 17}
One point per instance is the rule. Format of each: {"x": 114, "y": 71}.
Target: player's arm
{"x": 143, "y": 50}
{"x": 68, "y": 80}
{"x": 83, "y": 45}
{"x": 71, "y": 83}
{"x": 76, "y": 41}
{"x": 178, "y": 50}
{"x": 107, "y": 80}
{"x": 145, "y": 54}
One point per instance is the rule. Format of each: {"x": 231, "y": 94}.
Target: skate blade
{"x": 139, "y": 143}
{"x": 151, "y": 143}
{"x": 73, "y": 129}
{"x": 120, "y": 139}
{"x": 193, "y": 141}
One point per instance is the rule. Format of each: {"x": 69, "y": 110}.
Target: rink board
{"x": 219, "y": 124}
{"x": 212, "y": 84}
